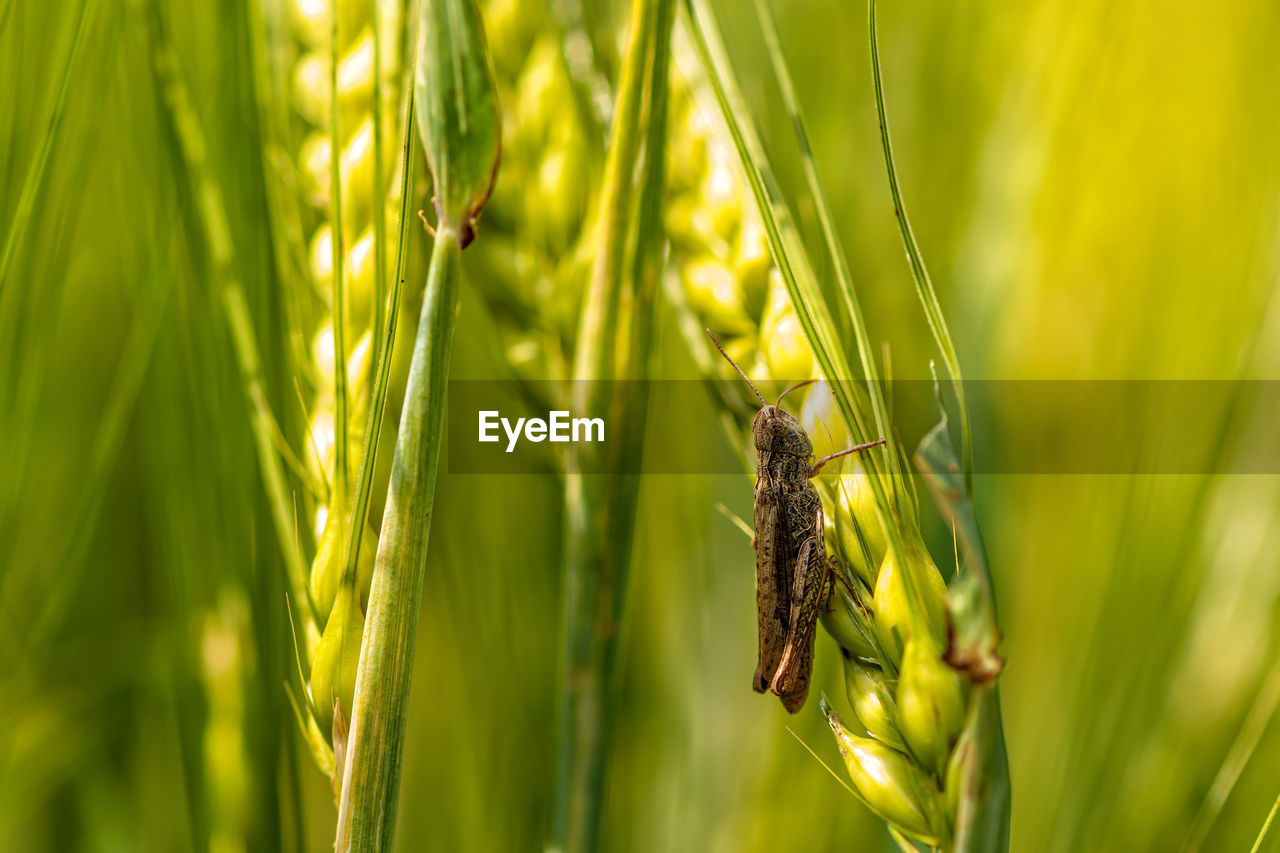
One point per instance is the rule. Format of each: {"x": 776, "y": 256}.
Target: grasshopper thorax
{"x": 777, "y": 431}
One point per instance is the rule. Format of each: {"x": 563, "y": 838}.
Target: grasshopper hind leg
{"x": 794, "y": 700}
{"x": 773, "y": 585}
{"x": 791, "y": 681}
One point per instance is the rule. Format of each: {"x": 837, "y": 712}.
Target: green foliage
{"x": 1096, "y": 196}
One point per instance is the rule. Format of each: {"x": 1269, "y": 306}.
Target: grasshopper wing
{"x": 811, "y": 574}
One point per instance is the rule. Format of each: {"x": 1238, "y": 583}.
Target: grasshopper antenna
{"x": 795, "y": 387}
{"x": 824, "y": 460}
{"x": 716, "y": 341}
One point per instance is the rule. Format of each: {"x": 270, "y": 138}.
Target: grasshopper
{"x": 793, "y": 569}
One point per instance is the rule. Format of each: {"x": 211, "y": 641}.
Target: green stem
{"x": 614, "y": 341}
{"x": 595, "y": 356}
{"x": 457, "y": 118}
{"x": 371, "y": 779}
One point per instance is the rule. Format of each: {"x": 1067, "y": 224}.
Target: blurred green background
{"x": 1097, "y": 189}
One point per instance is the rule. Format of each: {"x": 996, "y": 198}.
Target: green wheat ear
{"x": 331, "y": 76}
{"x": 920, "y": 659}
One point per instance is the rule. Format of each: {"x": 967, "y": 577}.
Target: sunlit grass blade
{"x": 110, "y": 434}
{"x": 30, "y": 310}
{"x": 1266, "y": 826}
{"x": 34, "y": 180}
{"x": 1242, "y": 749}
{"x": 840, "y": 263}
{"x": 216, "y": 231}
{"x": 793, "y": 264}
{"x": 919, "y": 273}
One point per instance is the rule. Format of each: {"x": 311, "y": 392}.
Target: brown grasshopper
{"x": 792, "y": 566}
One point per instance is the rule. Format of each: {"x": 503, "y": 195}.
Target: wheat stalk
{"x": 458, "y": 120}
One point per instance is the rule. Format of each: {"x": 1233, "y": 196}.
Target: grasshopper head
{"x": 777, "y": 431}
